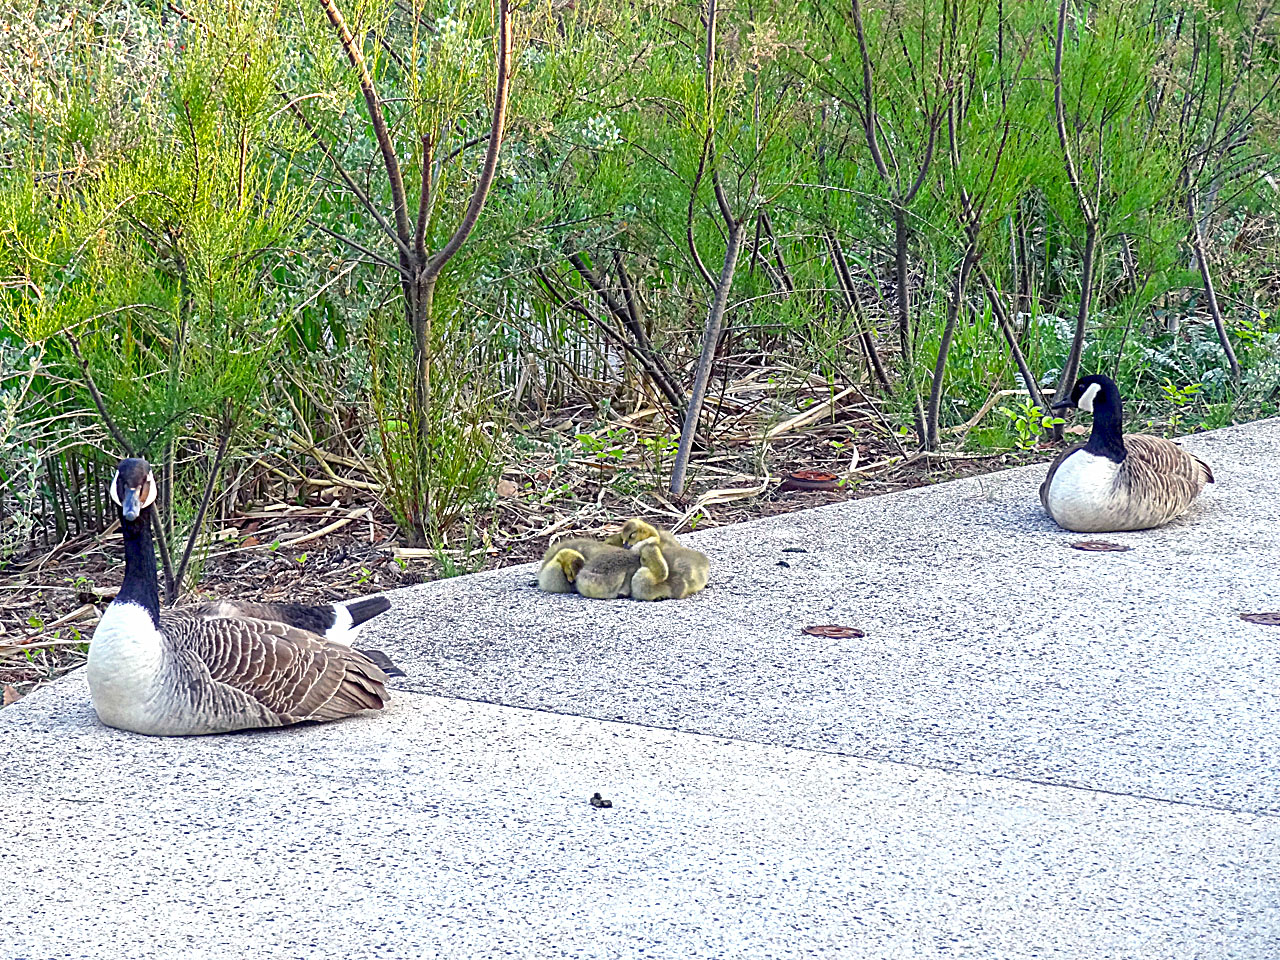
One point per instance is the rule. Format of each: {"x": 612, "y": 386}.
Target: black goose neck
{"x": 1107, "y": 437}
{"x": 141, "y": 586}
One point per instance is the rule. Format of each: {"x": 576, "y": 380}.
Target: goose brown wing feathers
{"x": 271, "y": 668}
{"x": 1162, "y": 474}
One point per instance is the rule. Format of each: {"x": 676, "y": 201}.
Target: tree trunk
{"x": 1071, "y": 369}
{"x": 710, "y": 339}
{"x": 905, "y": 347}
{"x": 420, "y": 303}
{"x": 932, "y": 436}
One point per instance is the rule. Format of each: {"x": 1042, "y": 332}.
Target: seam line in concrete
{"x": 1218, "y": 808}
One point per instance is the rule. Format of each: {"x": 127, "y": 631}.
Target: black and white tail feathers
{"x": 381, "y": 660}
{"x": 367, "y": 609}
{"x": 339, "y": 622}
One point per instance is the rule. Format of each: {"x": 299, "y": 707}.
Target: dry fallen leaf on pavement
{"x": 833, "y": 631}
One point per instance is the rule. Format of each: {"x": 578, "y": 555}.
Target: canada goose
{"x": 1118, "y": 482}
{"x": 219, "y": 666}
{"x": 670, "y": 570}
{"x": 595, "y": 570}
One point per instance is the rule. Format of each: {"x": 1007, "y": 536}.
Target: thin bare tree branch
{"x": 481, "y": 191}
{"x": 844, "y": 278}
{"x": 98, "y": 402}
{"x": 1211, "y": 295}
{"x": 399, "y": 202}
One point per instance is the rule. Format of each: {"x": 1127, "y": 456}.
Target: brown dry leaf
{"x": 1099, "y": 546}
{"x": 11, "y": 695}
{"x": 506, "y": 488}
{"x": 1265, "y": 619}
{"x": 250, "y": 542}
{"x": 833, "y": 631}
{"x": 1078, "y": 429}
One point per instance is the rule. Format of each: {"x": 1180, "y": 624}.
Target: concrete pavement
{"x": 1033, "y": 752}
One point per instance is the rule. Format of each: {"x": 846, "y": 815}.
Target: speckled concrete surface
{"x": 462, "y": 830}
{"x": 991, "y": 646}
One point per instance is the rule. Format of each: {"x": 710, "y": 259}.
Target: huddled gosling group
{"x": 638, "y": 561}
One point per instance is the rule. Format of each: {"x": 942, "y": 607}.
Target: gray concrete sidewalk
{"x": 991, "y": 646}
{"x": 1034, "y": 752}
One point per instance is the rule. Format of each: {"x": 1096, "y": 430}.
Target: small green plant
{"x": 1028, "y": 422}
{"x": 1180, "y": 398}
{"x": 608, "y": 448}
{"x": 468, "y": 557}
{"x": 657, "y": 450}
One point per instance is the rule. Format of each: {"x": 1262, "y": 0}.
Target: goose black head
{"x": 133, "y": 488}
{"x": 1100, "y": 396}
{"x": 1088, "y": 391}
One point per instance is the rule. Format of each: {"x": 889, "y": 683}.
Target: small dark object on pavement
{"x": 1264, "y": 619}
{"x": 1099, "y": 546}
{"x": 794, "y": 550}
{"x": 600, "y": 802}
{"x": 833, "y": 631}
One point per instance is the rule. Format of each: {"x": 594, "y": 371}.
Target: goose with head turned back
{"x": 1118, "y": 481}
{"x": 219, "y": 666}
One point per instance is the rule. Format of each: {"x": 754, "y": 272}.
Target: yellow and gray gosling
{"x": 596, "y": 570}
{"x": 670, "y": 570}
{"x": 1118, "y": 482}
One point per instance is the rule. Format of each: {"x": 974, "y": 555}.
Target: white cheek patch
{"x": 114, "y": 490}
{"x": 151, "y": 490}
{"x": 1087, "y": 398}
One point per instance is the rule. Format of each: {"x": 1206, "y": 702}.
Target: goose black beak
{"x": 1063, "y": 405}
{"x": 132, "y": 505}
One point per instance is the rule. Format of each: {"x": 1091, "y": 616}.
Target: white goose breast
{"x": 126, "y": 666}
{"x": 1084, "y": 494}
